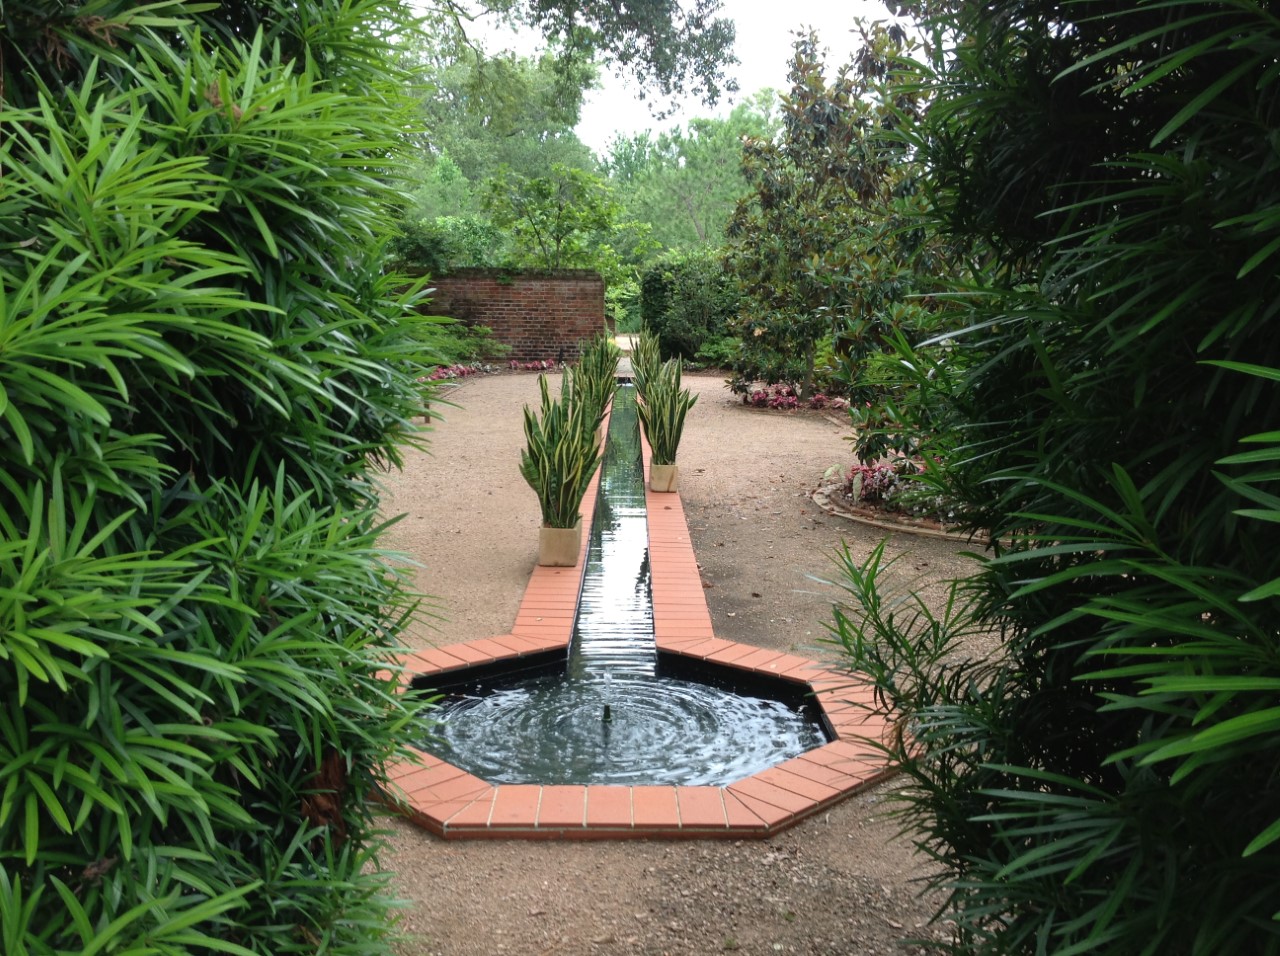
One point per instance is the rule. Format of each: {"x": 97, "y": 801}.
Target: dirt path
{"x": 839, "y": 883}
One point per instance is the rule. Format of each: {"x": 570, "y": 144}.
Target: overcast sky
{"x": 763, "y": 45}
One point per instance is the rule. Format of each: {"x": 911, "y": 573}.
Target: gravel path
{"x": 839, "y": 883}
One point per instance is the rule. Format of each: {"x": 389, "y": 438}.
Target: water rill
{"x": 615, "y": 714}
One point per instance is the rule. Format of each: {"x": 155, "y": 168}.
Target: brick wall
{"x": 541, "y": 315}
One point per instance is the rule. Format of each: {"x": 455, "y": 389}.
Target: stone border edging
{"x": 822, "y": 499}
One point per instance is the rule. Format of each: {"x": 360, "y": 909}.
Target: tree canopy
{"x": 566, "y": 219}
{"x": 484, "y": 112}
{"x": 668, "y": 47}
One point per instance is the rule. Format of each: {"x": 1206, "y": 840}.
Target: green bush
{"x": 435, "y": 246}
{"x": 718, "y": 352}
{"x": 687, "y": 301}
{"x": 1105, "y": 782}
{"x": 201, "y": 368}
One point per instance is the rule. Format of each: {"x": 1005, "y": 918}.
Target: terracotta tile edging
{"x": 453, "y": 804}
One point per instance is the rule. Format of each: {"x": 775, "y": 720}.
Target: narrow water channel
{"x": 609, "y": 718}
{"x": 613, "y": 633}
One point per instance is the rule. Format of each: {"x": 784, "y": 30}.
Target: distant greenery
{"x": 483, "y": 113}
{"x": 450, "y": 242}
{"x": 685, "y": 182}
{"x": 503, "y": 181}
{"x": 502, "y": 119}
{"x": 564, "y": 219}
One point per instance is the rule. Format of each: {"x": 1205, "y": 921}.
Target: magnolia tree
{"x": 815, "y": 244}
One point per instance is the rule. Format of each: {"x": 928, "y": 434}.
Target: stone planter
{"x": 559, "y": 547}
{"x": 663, "y": 477}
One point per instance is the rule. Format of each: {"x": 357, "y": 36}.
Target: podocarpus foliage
{"x": 662, "y": 409}
{"x": 202, "y": 367}
{"x": 1108, "y": 781}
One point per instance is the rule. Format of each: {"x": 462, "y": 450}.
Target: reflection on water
{"x": 661, "y": 730}
{"x": 614, "y": 629}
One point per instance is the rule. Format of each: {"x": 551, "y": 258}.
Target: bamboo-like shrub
{"x": 662, "y": 411}
{"x": 203, "y": 369}
{"x": 1091, "y": 729}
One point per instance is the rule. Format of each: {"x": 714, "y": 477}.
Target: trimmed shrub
{"x": 688, "y": 301}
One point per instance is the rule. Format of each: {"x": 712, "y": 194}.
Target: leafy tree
{"x": 564, "y": 220}
{"x": 685, "y": 183}
{"x": 440, "y": 189}
{"x": 202, "y": 367}
{"x": 484, "y": 112}
{"x": 1106, "y": 782}
{"x": 669, "y": 47}
{"x": 814, "y": 243}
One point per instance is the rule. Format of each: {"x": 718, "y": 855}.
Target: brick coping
{"x": 454, "y": 804}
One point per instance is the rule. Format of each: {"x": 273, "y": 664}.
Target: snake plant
{"x": 561, "y": 453}
{"x": 662, "y": 411}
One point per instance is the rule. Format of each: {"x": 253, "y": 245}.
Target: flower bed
{"x": 785, "y": 397}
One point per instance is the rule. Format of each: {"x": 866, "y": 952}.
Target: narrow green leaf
{"x": 1263, "y": 839}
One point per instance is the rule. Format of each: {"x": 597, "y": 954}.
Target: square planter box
{"x": 559, "y": 547}
{"x": 663, "y": 477}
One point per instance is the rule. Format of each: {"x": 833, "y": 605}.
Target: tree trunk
{"x": 806, "y": 386}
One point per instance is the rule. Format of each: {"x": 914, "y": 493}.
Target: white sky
{"x": 764, "y": 35}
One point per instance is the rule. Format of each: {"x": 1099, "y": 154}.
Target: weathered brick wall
{"x": 541, "y": 315}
